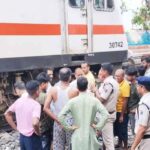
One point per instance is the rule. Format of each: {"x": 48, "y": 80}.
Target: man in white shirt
{"x": 78, "y": 73}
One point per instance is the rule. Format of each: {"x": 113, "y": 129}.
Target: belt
{"x": 146, "y": 136}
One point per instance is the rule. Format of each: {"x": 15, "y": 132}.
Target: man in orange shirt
{"x": 121, "y": 123}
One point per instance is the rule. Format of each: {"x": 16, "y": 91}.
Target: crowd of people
{"x": 72, "y": 114}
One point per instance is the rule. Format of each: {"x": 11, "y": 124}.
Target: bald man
{"x": 121, "y": 123}
{"x": 60, "y": 95}
{"x": 78, "y": 73}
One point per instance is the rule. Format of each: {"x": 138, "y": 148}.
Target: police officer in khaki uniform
{"x": 108, "y": 95}
{"x": 142, "y": 127}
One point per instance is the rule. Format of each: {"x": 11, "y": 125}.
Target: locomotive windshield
{"x": 104, "y": 5}
{"x": 77, "y": 3}
{"x": 99, "y": 4}
{"x": 110, "y": 4}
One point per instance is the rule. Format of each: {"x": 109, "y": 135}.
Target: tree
{"x": 147, "y": 2}
{"x": 142, "y": 16}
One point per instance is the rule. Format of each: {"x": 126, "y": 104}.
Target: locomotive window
{"x": 99, "y": 4}
{"x": 77, "y": 3}
{"x": 110, "y": 4}
{"x": 104, "y": 5}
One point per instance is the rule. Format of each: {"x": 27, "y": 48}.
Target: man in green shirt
{"x": 84, "y": 109}
{"x": 131, "y": 74}
{"x": 46, "y": 123}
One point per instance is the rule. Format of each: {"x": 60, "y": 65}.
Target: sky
{"x": 132, "y": 5}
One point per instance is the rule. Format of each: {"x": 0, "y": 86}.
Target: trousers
{"x": 144, "y": 144}
{"x": 132, "y": 121}
{"x": 108, "y": 135}
{"x": 46, "y": 139}
{"x": 121, "y": 129}
{"x": 32, "y": 142}
{"x": 61, "y": 138}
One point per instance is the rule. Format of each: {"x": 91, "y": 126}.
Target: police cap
{"x": 143, "y": 80}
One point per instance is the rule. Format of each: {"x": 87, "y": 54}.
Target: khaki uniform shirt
{"x": 109, "y": 90}
{"x": 143, "y": 113}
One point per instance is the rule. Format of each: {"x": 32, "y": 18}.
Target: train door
{"x": 108, "y": 33}
{"x": 76, "y": 26}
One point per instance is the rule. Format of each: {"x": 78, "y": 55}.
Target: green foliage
{"x": 142, "y": 17}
